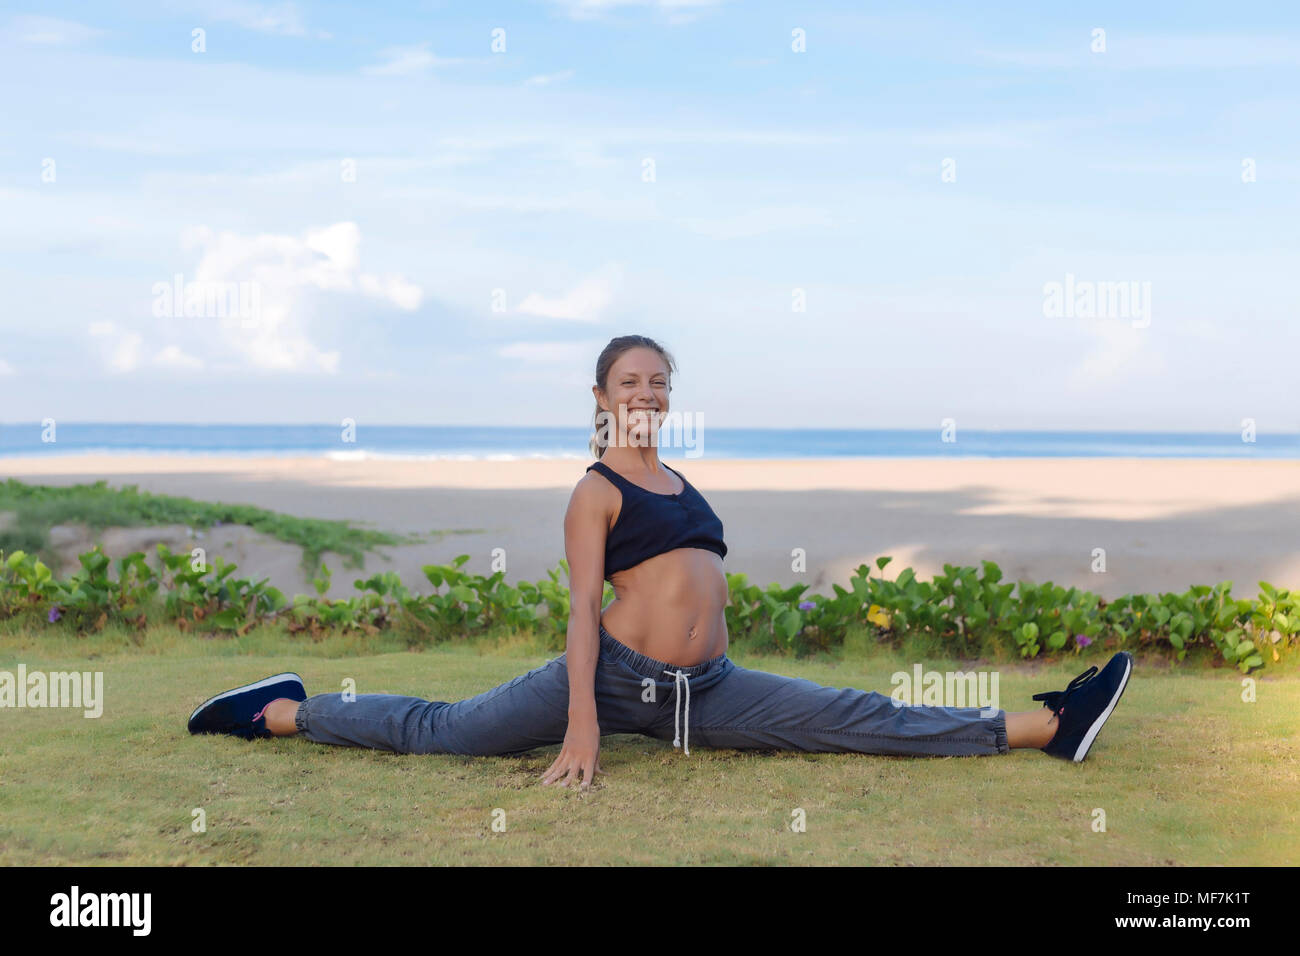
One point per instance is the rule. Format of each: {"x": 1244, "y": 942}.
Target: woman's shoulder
{"x": 602, "y": 474}
{"x": 595, "y": 485}
{"x": 595, "y": 500}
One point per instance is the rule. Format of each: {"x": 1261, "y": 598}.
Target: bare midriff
{"x": 671, "y": 607}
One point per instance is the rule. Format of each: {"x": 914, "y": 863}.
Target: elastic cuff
{"x": 1000, "y": 732}
{"x": 300, "y": 717}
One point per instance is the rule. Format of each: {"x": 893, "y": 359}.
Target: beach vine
{"x": 965, "y": 611}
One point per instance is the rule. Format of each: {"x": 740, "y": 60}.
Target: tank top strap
{"x": 686, "y": 485}
{"x": 612, "y": 475}
{"x": 623, "y": 483}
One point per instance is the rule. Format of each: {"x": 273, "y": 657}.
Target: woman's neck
{"x": 634, "y": 460}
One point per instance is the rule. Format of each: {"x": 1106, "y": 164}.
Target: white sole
{"x": 1086, "y": 744}
{"x": 247, "y": 687}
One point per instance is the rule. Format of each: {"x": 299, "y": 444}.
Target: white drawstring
{"x": 678, "y": 679}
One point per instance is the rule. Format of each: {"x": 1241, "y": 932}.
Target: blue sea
{"x": 504, "y": 443}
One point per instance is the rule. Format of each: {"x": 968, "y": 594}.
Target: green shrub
{"x": 964, "y": 611}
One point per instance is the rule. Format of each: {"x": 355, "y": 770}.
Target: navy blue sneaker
{"x": 239, "y": 712}
{"x": 1084, "y": 706}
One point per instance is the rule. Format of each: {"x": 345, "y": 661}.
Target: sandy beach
{"x": 1165, "y": 524}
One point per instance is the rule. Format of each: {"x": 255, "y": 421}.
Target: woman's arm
{"x": 585, "y": 525}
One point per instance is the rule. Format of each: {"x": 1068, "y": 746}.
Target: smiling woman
{"x": 661, "y": 546}
{"x": 635, "y": 416}
{"x": 644, "y": 527}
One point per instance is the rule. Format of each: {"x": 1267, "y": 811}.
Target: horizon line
{"x": 795, "y": 428}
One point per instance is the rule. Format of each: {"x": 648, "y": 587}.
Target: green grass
{"x": 39, "y": 507}
{"x": 1186, "y": 773}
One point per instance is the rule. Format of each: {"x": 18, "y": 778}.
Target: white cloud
{"x": 551, "y": 353}
{"x": 583, "y": 303}
{"x": 403, "y": 294}
{"x": 677, "y": 11}
{"x": 546, "y": 79}
{"x": 1136, "y": 52}
{"x": 410, "y": 61}
{"x": 120, "y": 349}
{"x": 1121, "y": 351}
{"x": 277, "y": 18}
{"x": 51, "y": 31}
{"x": 173, "y": 357}
{"x": 757, "y": 222}
{"x": 284, "y": 270}
{"x": 6, "y": 368}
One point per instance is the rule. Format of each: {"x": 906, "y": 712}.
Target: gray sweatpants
{"x": 713, "y": 704}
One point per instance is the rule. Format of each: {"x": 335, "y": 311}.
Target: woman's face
{"x": 636, "y": 392}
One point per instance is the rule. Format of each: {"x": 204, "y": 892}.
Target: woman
{"x": 654, "y": 661}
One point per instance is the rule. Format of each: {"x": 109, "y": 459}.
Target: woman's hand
{"x": 580, "y": 754}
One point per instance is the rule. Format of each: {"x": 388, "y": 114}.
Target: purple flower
{"x": 54, "y": 614}
{"x": 1083, "y": 640}
{"x": 806, "y": 605}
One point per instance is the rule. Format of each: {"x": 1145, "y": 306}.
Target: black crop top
{"x": 650, "y": 523}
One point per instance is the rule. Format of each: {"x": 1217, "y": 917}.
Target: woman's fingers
{"x": 555, "y": 769}
{"x": 561, "y": 777}
{"x": 564, "y": 767}
{"x": 568, "y": 769}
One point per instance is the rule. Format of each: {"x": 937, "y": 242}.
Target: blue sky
{"x": 500, "y": 227}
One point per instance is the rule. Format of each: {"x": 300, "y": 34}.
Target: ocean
{"x": 470, "y": 442}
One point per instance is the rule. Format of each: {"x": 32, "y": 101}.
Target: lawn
{"x": 1185, "y": 772}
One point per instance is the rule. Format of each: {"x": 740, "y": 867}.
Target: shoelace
{"x": 1054, "y": 697}
{"x": 679, "y": 679}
